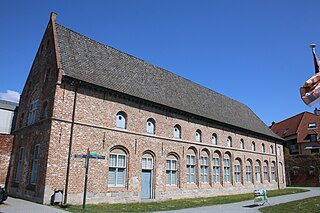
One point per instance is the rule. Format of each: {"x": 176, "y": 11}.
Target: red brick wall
{"x": 6, "y": 142}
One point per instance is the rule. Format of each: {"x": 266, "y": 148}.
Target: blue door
{"x": 146, "y": 185}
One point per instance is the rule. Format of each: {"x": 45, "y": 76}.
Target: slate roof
{"x": 90, "y": 61}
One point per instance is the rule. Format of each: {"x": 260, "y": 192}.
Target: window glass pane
{"x": 174, "y": 177}
{"x": 168, "y": 178}
{"x": 113, "y": 159}
{"x": 112, "y": 177}
{"x": 120, "y": 177}
{"x": 174, "y": 165}
{"x": 121, "y": 161}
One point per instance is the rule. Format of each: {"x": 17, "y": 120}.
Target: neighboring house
{"x": 7, "y": 119}
{"x": 301, "y": 134}
{"x": 163, "y": 136}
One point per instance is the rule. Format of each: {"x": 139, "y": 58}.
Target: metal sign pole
{"x": 86, "y": 179}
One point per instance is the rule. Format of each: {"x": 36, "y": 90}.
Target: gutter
{"x": 71, "y": 139}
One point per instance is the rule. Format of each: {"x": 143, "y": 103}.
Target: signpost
{"x": 89, "y": 155}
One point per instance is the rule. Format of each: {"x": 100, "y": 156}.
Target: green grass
{"x": 309, "y": 205}
{"x": 175, "y": 204}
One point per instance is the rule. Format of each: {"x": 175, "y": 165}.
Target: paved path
{"x": 247, "y": 206}
{"x": 14, "y": 205}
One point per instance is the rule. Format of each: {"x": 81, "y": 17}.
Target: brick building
{"x": 163, "y": 136}
{"x": 8, "y": 111}
{"x": 301, "y": 140}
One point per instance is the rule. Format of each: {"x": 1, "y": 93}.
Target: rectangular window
{"x": 172, "y": 173}
{"x": 35, "y": 164}
{"x": 237, "y": 173}
{"x": 265, "y": 173}
{"x": 248, "y": 174}
{"x": 19, "y": 166}
{"x": 191, "y": 169}
{"x": 117, "y": 170}
{"x": 226, "y": 170}
{"x": 273, "y": 173}
{"x": 257, "y": 173}
{"x": 216, "y": 170}
{"x": 33, "y": 112}
{"x": 204, "y": 166}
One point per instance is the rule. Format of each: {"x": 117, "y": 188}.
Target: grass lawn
{"x": 174, "y": 204}
{"x": 309, "y": 205}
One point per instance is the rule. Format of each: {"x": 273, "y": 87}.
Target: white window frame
{"x": 258, "y": 172}
{"x": 35, "y": 164}
{"x": 147, "y": 163}
{"x": 177, "y": 132}
{"x": 214, "y": 139}
{"x": 253, "y": 146}
{"x": 33, "y": 112}
{"x": 216, "y": 169}
{"x": 273, "y": 171}
{"x": 248, "y": 172}
{"x": 116, "y": 167}
{"x": 150, "y": 126}
{"x": 198, "y": 136}
{"x": 171, "y": 172}
{"x": 121, "y": 120}
{"x": 204, "y": 169}
{"x": 229, "y": 142}
{"x": 226, "y": 170}
{"x": 237, "y": 172}
{"x": 191, "y": 169}
{"x": 265, "y": 171}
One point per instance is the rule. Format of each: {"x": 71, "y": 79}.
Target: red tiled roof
{"x": 298, "y": 125}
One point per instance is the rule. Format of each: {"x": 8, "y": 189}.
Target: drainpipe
{"x": 277, "y": 173}
{"x": 70, "y": 142}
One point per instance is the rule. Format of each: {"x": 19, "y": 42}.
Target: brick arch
{"x": 218, "y": 152}
{"x": 207, "y": 151}
{"x": 173, "y": 154}
{"x": 150, "y": 153}
{"x": 120, "y": 147}
{"x": 193, "y": 148}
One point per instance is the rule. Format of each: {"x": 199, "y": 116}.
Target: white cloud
{"x": 10, "y": 96}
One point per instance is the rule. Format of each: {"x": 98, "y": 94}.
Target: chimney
{"x": 316, "y": 111}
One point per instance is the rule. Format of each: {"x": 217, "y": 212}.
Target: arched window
{"x": 150, "y": 126}
{"x": 117, "y": 168}
{"x": 237, "y": 171}
{"x": 265, "y": 171}
{"x": 271, "y": 149}
{"x": 177, "y": 131}
{"x": 253, "y": 146}
{"x": 214, "y": 139}
{"x": 248, "y": 171}
{"x": 121, "y": 120}
{"x": 172, "y": 171}
{"x": 216, "y": 168}
{"x": 147, "y": 161}
{"x": 279, "y": 151}
{"x": 198, "y": 135}
{"x": 229, "y": 141}
{"x": 273, "y": 171}
{"x": 258, "y": 171}
{"x": 281, "y": 175}
{"x": 263, "y": 148}
{"x": 204, "y": 167}
{"x": 241, "y": 144}
{"x": 191, "y": 167}
{"x": 226, "y": 168}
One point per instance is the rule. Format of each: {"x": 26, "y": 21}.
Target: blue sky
{"x": 256, "y": 52}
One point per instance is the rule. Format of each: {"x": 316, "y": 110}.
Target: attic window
{"x": 312, "y": 125}
{"x": 285, "y": 131}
